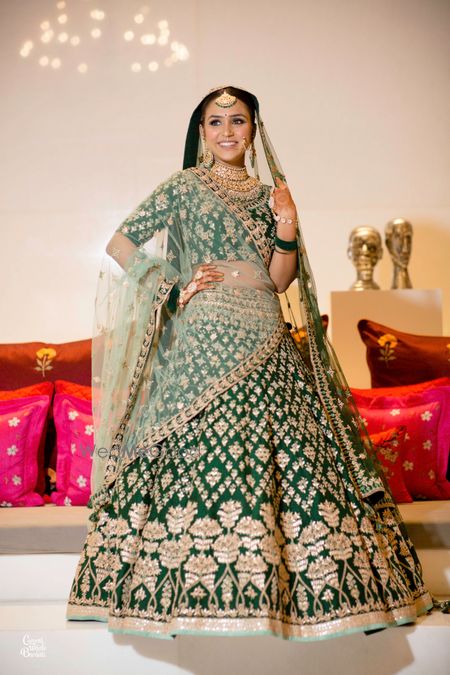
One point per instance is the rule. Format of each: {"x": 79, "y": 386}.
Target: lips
{"x": 227, "y": 144}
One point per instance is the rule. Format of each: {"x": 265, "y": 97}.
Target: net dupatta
{"x": 130, "y": 315}
{"x": 331, "y": 383}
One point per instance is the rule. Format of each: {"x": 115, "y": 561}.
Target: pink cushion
{"x": 425, "y": 452}
{"x": 389, "y": 448}
{"x": 22, "y": 421}
{"x": 75, "y": 447}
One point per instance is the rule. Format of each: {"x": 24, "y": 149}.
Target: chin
{"x": 230, "y": 157}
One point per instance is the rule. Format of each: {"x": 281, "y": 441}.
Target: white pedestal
{"x": 407, "y": 310}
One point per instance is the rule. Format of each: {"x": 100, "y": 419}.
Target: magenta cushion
{"x": 425, "y": 451}
{"x": 22, "y": 421}
{"x": 75, "y": 447}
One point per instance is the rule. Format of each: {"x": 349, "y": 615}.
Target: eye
{"x": 214, "y": 123}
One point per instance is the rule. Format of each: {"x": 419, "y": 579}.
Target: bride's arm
{"x": 283, "y": 266}
{"x": 120, "y": 247}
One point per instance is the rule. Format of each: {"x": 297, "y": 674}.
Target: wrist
{"x": 285, "y": 231}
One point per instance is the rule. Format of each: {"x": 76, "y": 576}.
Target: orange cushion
{"x": 78, "y": 390}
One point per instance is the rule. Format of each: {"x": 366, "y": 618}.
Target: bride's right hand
{"x": 200, "y": 282}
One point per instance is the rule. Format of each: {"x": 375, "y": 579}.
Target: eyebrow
{"x": 235, "y": 115}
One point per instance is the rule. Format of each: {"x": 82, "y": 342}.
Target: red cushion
{"x": 42, "y": 388}
{"x": 425, "y": 452}
{"x": 389, "y": 448}
{"x": 28, "y": 363}
{"x": 396, "y": 358}
{"x": 78, "y": 390}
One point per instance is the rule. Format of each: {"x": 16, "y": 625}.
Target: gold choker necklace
{"x": 235, "y": 179}
{"x": 237, "y": 174}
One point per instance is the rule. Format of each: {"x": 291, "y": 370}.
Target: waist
{"x": 242, "y": 274}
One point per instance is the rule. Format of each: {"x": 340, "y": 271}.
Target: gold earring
{"x": 207, "y": 157}
{"x": 253, "y": 160}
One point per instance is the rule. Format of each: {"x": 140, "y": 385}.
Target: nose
{"x": 228, "y": 128}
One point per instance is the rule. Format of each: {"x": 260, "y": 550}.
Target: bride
{"x": 234, "y": 491}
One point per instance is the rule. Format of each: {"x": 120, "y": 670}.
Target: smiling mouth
{"x": 228, "y": 144}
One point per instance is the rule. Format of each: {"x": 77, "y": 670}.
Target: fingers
{"x": 210, "y": 276}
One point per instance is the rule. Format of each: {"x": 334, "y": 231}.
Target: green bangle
{"x": 286, "y": 245}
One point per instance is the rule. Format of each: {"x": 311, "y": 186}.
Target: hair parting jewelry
{"x": 225, "y": 100}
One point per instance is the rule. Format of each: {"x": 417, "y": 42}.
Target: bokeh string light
{"x": 147, "y": 43}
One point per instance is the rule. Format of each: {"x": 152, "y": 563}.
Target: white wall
{"x": 355, "y": 95}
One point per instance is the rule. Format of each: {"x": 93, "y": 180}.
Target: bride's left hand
{"x": 283, "y": 204}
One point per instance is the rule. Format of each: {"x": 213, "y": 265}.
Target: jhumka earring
{"x": 253, "y": 160}
{"x": 207, "y": 157}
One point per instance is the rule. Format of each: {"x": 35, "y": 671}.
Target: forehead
{"x": 238, "y": 108}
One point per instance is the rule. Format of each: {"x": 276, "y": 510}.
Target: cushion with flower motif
{"x": 425, "y": 451}
{"x": 22, "y": 421}
{"x": 397, "y": 358}
{"x": 45, "y": 388}
{"x": 388, "y": 446}
{"x": 79, "y": 390}
{"x": 22, "y": 364}
{"x": 75, "y": 447}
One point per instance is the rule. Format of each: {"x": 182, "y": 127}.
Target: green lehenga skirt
{"x": 247, "y": 523}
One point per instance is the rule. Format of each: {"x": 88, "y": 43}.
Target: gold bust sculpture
{"x": 398, "y": 238}
{"x": 365, "y": 249}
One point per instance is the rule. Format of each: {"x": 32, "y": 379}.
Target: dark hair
{"x": 242, "y": 95}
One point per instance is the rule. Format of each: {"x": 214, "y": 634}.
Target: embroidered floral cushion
{"x": 27, "y": 363}
{"x": 45, "y": 388}
{"x": 397, "y": 358}
{"x": 75, "y": 447}
{"x": 425, "y": 451}
{"x": 389, "y": 448}
{"x": 22, "y": 421}
{"x": 75, "y": 389}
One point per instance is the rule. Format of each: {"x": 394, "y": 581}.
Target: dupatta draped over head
{"x": 155, "y": 366}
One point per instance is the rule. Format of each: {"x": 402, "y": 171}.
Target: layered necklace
{"x": 236, "y": 181}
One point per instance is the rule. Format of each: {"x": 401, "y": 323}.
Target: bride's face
{"x": 226, "y": 129}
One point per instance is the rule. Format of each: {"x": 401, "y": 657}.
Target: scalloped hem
{"x": 249, "y": 627}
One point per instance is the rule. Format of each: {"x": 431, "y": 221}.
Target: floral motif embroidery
{"x": 44, "y": 358}
{"x": 387, "y": 344}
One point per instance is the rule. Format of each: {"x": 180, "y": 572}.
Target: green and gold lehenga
{"x": 232, "y": 493}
